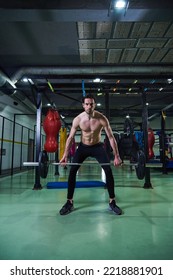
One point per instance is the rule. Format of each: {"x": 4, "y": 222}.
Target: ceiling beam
{"x": 86, "y": 14}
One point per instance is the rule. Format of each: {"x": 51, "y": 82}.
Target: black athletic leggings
{"x": 98, "y": 152}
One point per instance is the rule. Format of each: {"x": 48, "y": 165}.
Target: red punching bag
{"x": 51, "y": 126}
{"x": 151, "y": 141}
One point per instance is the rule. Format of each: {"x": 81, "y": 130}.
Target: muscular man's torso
{"x": 91, "y": 127}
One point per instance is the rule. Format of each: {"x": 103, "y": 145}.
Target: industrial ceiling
{"x": 60, "y": 47}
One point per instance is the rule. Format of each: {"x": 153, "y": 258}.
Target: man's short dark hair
{"x": 89, "y": 95}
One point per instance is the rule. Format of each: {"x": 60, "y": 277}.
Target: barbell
{"x": 43, "y": 164}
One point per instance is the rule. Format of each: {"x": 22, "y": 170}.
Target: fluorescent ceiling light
{"x": 120, "y": 4}
{"x": 97, "y": 80}
{"x": 25, "y": 80}
{"x": 169, "y": 81}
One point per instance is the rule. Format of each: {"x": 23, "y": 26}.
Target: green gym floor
{"x": 32, "y": 229}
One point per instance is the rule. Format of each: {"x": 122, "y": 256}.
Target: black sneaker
{"x": 67, "y": 208}
{"x": 113, "y": 207}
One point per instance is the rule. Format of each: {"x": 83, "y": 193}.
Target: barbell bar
{"x": 43, "y": 164}
{"x": 75, "y": 163}
{"x": 30, "y": 163}
{"x": 151, "y": 165}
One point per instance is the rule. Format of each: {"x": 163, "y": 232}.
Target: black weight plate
{"x": 43, "y": 164}
{"x": 140, "y": 168}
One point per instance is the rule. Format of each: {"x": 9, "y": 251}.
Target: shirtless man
{"x": 91, "y": 123}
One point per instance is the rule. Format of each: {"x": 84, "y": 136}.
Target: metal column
{"x": 2, "y": 141}
{"x": 147, "y": 184}
{"x": 37, "y": 185}
{"x": 162, "y": 146}
{"x": 12, "y": 157}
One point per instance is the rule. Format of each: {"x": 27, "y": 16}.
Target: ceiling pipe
{"x": 16, "y": 95}
{"x": 93, "y": 70}
{"x": 5, "y": 79}
{"x": 158, "y": 114}
{"x": 167, "y": 107}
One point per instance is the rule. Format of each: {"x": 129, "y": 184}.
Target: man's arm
{"x": 69, "y": 140}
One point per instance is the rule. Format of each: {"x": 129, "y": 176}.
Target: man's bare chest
{"x": 90, "y": 125}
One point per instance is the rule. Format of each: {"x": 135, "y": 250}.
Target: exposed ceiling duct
{"x": 93, "y": 70}
{"x": 5, "y": 82}
{"x": 5, "y": 79}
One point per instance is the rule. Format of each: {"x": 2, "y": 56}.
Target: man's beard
{"x": 89, "y": 112}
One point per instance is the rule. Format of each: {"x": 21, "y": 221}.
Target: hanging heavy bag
{"x": 51, "y": 126}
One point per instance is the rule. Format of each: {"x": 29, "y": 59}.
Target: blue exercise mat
{"x": 79, "y": 184}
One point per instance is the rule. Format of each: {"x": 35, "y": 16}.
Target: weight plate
{"x": 140, "y": 168}
{"x": 43, "y": 164}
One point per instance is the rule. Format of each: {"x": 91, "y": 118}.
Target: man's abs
{"x": 90, "y": 139}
